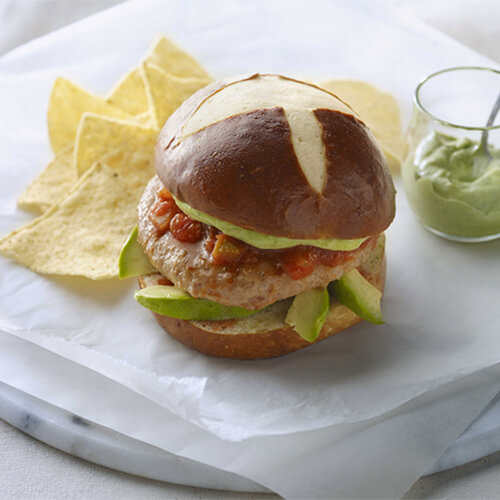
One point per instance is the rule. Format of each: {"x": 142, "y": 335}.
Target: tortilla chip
{"x": 82, "y": 234}
{"x": 124, "y": 146}
{"x": 52, "y": 184}
{"x": 173, "y": 60}
{"x": 394, "y": 160}
{"x": 167, "y": 92}
{"x": 379, "y": 110}
{"x": 67, "y": 104}
{"x": 130, "y": 93}
{"x": 147, "y": 119}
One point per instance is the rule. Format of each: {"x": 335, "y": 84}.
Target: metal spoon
{"x": 483, "y": 145}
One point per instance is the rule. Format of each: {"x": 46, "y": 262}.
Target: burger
{"x": 262, "y": 231}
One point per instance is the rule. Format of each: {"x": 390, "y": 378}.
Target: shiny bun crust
{"x": 229, "y": 339}
{"x": 277, "y": 156}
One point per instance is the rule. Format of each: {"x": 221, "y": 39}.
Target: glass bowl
{"x": 451, "y": 178}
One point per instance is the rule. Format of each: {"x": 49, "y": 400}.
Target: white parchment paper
{"x": 441, "y": 300}
{"x": 380, "y": 458}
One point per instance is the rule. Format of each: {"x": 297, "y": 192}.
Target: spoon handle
{"x": 484, "y": 136}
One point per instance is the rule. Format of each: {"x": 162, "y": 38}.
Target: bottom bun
{"x": 264, "y": 334}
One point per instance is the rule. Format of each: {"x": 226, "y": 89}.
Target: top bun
{"x": 277, "y": 156}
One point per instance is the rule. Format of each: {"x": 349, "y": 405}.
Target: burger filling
{"x": 209, "y": 264}
{"x": 230, "y": 253}
{"x": 205, "y": 274}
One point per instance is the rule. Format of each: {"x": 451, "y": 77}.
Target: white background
{"x": 29, "y": 469}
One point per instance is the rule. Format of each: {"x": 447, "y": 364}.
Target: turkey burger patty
{"x": 252, "y": 278}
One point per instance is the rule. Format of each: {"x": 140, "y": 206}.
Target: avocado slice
{"x": 359, "y": 295}
{"x": 265, "y": 241}
{"x": 308, "y": 313}
{"x": 176, "y": 303}
{"x": 133, "y": 261}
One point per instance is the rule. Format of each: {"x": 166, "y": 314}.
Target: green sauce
{"x": 266, "y": 241}
{"x": 454, "y": 188}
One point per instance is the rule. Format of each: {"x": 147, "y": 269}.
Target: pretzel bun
{"x": 277, "y": 156}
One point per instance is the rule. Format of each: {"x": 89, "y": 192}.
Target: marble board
{"x": 75, "y": 435}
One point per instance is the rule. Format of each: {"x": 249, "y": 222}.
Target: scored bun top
{"x": 277, "y": 156}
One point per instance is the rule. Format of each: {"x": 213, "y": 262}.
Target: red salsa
{"x": 166, "y": 216}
